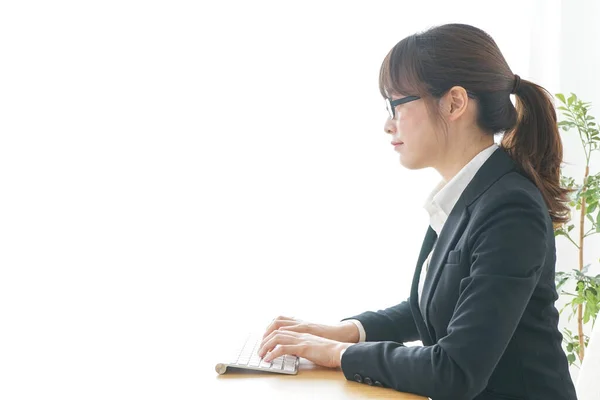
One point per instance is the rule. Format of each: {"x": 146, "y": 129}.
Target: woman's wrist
{"x": 340, "y": 348}
{"x": 347, "y": 332}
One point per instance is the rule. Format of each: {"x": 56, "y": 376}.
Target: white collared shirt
{"x": 439, "y": 204}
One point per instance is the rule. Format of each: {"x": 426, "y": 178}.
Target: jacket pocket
{"x": 453, "y": 257}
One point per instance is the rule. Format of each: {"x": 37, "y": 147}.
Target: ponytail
{"x": 535, "y": 145}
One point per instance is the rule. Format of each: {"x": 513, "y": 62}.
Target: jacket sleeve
{"x": 395, "y": 324}
{"x": 507, "y": 248}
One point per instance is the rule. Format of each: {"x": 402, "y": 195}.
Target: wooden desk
{"x": 312, "y": 382}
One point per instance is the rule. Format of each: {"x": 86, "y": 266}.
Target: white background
{"x": 171, "y": 172}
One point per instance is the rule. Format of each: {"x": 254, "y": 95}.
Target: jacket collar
{"x": 442, "y": 199}
{"x": 498, "y": 165}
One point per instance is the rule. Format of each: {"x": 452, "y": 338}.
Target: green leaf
{"x": 561, "y": 97}
{"x": 570, "y": 99}
{"x": 571, "y": 358}
{"x": 566, "y": 123}
{"x": 561, "y": 283}
{"x": 570, "y": 347}
{"x": 586, "y": 315}
{"x": 590, "y": 218}
{"x": 598, "y": 222}
{"x": 590, "y": 297}
{"x": 568, "y": 331}
{"x": 559, "y": 232}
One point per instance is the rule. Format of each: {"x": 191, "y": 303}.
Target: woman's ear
{"x": 455, "y": 103}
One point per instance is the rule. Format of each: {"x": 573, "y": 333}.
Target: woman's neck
{"x": 457, "y": 159}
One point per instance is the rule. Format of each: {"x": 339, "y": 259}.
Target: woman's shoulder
{"x": 512, "y": 190}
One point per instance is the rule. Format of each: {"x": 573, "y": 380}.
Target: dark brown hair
{"x": 430, "y": 63}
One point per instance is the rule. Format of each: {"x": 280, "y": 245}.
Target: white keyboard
{"x": 247, "y": 358}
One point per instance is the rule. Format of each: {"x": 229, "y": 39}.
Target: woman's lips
{"x": 397, "y": 145}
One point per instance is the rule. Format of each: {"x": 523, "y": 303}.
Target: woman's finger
{"x": 276, "y": 332}
{"x": 300, "y": 328}
{"x": 283, "y": 318}
{"x": 289, "y": 328}
{"x": 278, "y": 323}
{"x": 281, "y": 350}
{"x": 278, "y": 338}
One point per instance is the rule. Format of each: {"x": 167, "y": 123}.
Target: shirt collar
{"x": 444, "y": 196}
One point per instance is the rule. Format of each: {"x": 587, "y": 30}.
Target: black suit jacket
{"x": 490, "y": 328}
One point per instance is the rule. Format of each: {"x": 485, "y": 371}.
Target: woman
{"x": 482, "y": 302}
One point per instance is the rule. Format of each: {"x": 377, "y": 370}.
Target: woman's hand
{"x": 321, "y": 351}
{"x": 345, "y": 331}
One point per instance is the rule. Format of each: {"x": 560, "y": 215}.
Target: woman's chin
{"x": 410, "y": 164}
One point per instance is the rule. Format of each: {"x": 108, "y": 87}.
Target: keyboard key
{"x": 289, "y": 367}
{"x": 289, "y": 362}
{"x": 254, "y": 361}
{"x": 264, "y": 364}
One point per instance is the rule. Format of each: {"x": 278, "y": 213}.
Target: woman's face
{"x": 414, "y": 134}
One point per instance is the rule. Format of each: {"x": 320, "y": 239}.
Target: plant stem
{"x": 569, "y": 237}
{"x": 581, "y": 239}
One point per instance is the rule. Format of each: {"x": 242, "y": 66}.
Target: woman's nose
{"x": 389, "y": 126}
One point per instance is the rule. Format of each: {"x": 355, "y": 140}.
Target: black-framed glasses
{"x": 390, "y": 104}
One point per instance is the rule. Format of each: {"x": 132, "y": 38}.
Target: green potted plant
{"x": 581, "y": 289}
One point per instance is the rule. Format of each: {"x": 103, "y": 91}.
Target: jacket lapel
{"x": 430, "y": 238}
{"x": 493, "y": 169}
{"x": 450, "y": 234}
